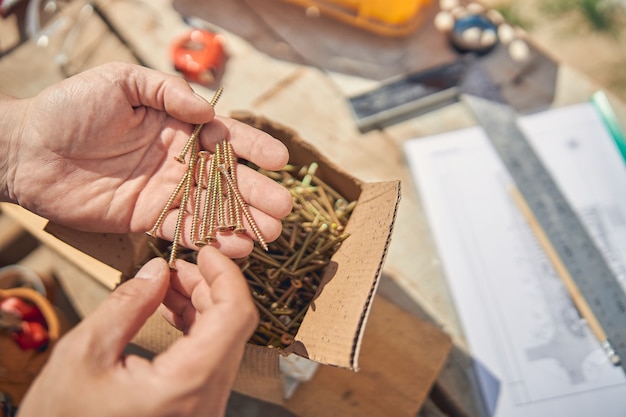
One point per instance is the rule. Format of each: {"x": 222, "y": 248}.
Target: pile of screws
{"x": 222, "y": 209}
{"x": 285, "y": 279}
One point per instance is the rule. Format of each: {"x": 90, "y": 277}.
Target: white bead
{"x": 475, "y": 8}
{"x": 495, "y": 16}
{"x": 519, "y": 50}
{"x": 471, "y": 36}
{"x": 444, "y": 21}
{"x": 506, "y": 33}
{"x": 488, "y": 38}
{"x": 448, "y": 4}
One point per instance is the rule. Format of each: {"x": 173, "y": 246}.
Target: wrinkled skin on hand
{"x": 88, "y": 375}
{"x": 96, "y": 152}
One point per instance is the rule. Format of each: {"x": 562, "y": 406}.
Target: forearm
{"x": 12, "y": 121}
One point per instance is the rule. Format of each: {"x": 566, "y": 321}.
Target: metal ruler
{"x": 410, "y": 95}
{"x": 585, "y": 263}
{"x": 407, "y": 96}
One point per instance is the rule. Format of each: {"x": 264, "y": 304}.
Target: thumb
{"x": 123, "y": 313}
{"x": 171, "y": 94}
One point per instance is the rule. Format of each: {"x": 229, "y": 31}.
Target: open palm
{"x": 96, "y": 152}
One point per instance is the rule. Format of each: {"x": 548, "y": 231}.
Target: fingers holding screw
{"x": 216, "y": 204}
{"x": 219, "y": 209}
{"x": 207, "y": 205}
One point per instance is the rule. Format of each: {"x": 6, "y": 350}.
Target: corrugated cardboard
{"x": 333, "y": 327}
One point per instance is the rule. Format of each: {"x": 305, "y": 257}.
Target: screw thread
{"x": 244, "y": 208}
{"x": 202, "y": 158}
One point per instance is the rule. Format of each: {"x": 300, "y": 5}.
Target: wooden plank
{"x": 400, "y": 359}
{"x": 35, "y": 225}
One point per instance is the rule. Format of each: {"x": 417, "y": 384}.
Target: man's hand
{"x": 88, "y": 375}
{"x": 96, "y": 152}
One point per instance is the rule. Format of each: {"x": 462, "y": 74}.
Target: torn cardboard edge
{"x": 332, "y": 330}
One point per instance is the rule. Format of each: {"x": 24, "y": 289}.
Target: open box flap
{"x": 259, "y": 375}
{"x": 332, "y": 329}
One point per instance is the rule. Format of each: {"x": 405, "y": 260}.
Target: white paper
{"x": 534, "y": 355}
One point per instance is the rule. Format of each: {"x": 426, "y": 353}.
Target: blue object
{"x": 604, "y": 109}
{"x": 464, "y": 43}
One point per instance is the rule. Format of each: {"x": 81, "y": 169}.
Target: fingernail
{"x": 200, "y": 97}
{"x": 152, "y": 269}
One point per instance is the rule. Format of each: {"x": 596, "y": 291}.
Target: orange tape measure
{"x": 199, "y": 55}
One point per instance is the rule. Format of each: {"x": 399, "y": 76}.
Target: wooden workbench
{"x": 312, "y": 101}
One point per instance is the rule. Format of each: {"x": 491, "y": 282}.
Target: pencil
{"x": 573, "y": 290}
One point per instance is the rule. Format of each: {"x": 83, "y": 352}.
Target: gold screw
{"x": 209, "y": 235}
{"x": 193, "y": 138}
{"x": 244, "y": 208}
{"x": 189, "y": 179}
{"x": 207, "y": 203}
{"x": 168, "y": 206}
{"x": 295, "y": 285}
{"x": 196, "y": 130}
{"x": 203, "y": 157}
{"x": 235, "y": 210}
{"x": 181, "y": 158}
{"x": 234, "y": 216}
{"x": 216, "y": 96}
{"x": 221, "y": 208}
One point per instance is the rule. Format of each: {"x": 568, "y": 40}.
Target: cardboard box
{"x": 332, "y": 330}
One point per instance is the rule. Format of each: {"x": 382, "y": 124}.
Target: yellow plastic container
{"x": 384, "y": 17}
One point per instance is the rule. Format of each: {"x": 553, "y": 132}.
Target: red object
{"x": 33, "y": 333}
{"x": 6, "y": 6}
{"x": 199, "y": 55}
{"x": 22, "y": 309}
